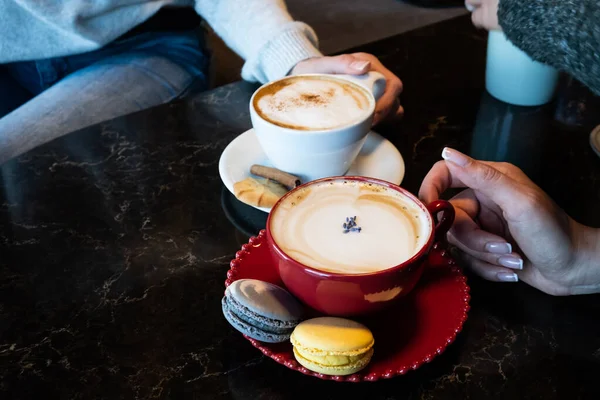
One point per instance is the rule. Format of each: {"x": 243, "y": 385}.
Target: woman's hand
{"x": 509, "y": 229}
{"x": 388, "y": 106}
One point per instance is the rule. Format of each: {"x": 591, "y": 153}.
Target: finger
{"x": 400, "y": 112}
{"x": 386, "y": 105}
{"x": 471, "y": 5}
{"x": 342, "y": 64}
{"x": 437, "y": 181}
{"x": 486, "y": 16}
{"x": 508, "y": 260}
{"x": 393, "y": 83}
{"x": 511, "y": 170}
{"x": 470, "y": 235}
{"x": 484, "y": 178}
{"x": 395, "y": 112}
{"x": 478, "y": 17}
{"x": 491, "y": 219}
{"x": 491, "y": 234}
{"x": 397, "y": 108}
{"x": 486, "y": 212}
{"x": 467, "y": 202}
{"x": 440, "y": 179}
{"x": 385, "y": 108}
{"x": 487, "y": 271}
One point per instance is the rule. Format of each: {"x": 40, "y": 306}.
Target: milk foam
{"x": 308, "y": 227}
{"x": 313, "y": 103}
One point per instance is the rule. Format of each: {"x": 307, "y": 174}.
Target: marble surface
{"x": 115, "y": 242}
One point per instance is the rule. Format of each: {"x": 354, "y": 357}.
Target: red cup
{"x": 358, "y": 294}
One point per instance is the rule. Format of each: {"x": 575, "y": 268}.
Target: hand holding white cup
{"x": 511, "y": 75}
{"x": 388, "y": 105}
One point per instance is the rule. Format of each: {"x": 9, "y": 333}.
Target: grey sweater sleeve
{"x": 562, "y": 33}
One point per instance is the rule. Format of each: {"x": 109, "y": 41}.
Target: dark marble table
{"x": 115, "y": 242}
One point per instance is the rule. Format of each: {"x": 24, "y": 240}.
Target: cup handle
{"x": 445, "y": 223}
{"x": 373, "y": 81}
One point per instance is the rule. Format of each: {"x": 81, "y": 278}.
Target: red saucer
{"x": 407, "y": 336}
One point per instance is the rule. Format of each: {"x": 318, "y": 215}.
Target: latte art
{"x": 312, "y": 103}
{"x": 316, "y": 227}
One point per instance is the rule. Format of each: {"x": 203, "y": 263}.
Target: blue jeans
{"x": 42, "y": 100}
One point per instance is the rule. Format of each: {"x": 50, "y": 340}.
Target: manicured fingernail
{"x": 455, "y": 157}
{"x": 359, "y": 65}
{"x": 470, "y": 7}
{"x": 498, "y": 247}
{"x": 507, "y": 277}
{"x": 511, "y": 262}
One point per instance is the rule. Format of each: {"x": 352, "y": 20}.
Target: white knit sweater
{"x": 262, "y": 32}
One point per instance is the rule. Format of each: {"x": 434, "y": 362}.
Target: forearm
{"x": 263, "y": 33}
{"x": 586, "y": 279}
{"x": 561, "y": 33}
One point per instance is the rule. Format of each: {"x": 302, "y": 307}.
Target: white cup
{"x": 315, "y": 154}
{"x": 514, "y": 77}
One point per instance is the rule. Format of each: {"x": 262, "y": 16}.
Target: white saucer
{"x": 379, "y": 158}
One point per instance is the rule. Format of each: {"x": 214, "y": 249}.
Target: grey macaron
{"x": 261, "y": 310}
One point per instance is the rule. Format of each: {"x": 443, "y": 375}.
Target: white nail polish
{"x": 511, "y": 262}
{"x": 359, "y": 65}
{"x": 470, "y": 7}
{"x": 445, "y": 153}
{"x": 455, "y": 157}
{"x": 507, "y": 277}
{"x": 498, "y": 247}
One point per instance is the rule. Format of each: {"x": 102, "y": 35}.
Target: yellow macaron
{"x": 332, "y": 346}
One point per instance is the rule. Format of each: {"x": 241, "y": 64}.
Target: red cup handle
{"x": 443, "y": 225}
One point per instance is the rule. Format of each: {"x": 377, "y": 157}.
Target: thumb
{"x": 343, "y": 64}
{"x": 484, "y": 178}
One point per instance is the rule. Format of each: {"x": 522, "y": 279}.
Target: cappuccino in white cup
{"x": 349, "y": 227}
{"x": 314, "y": 126}
{"x": 310, "y": 103}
